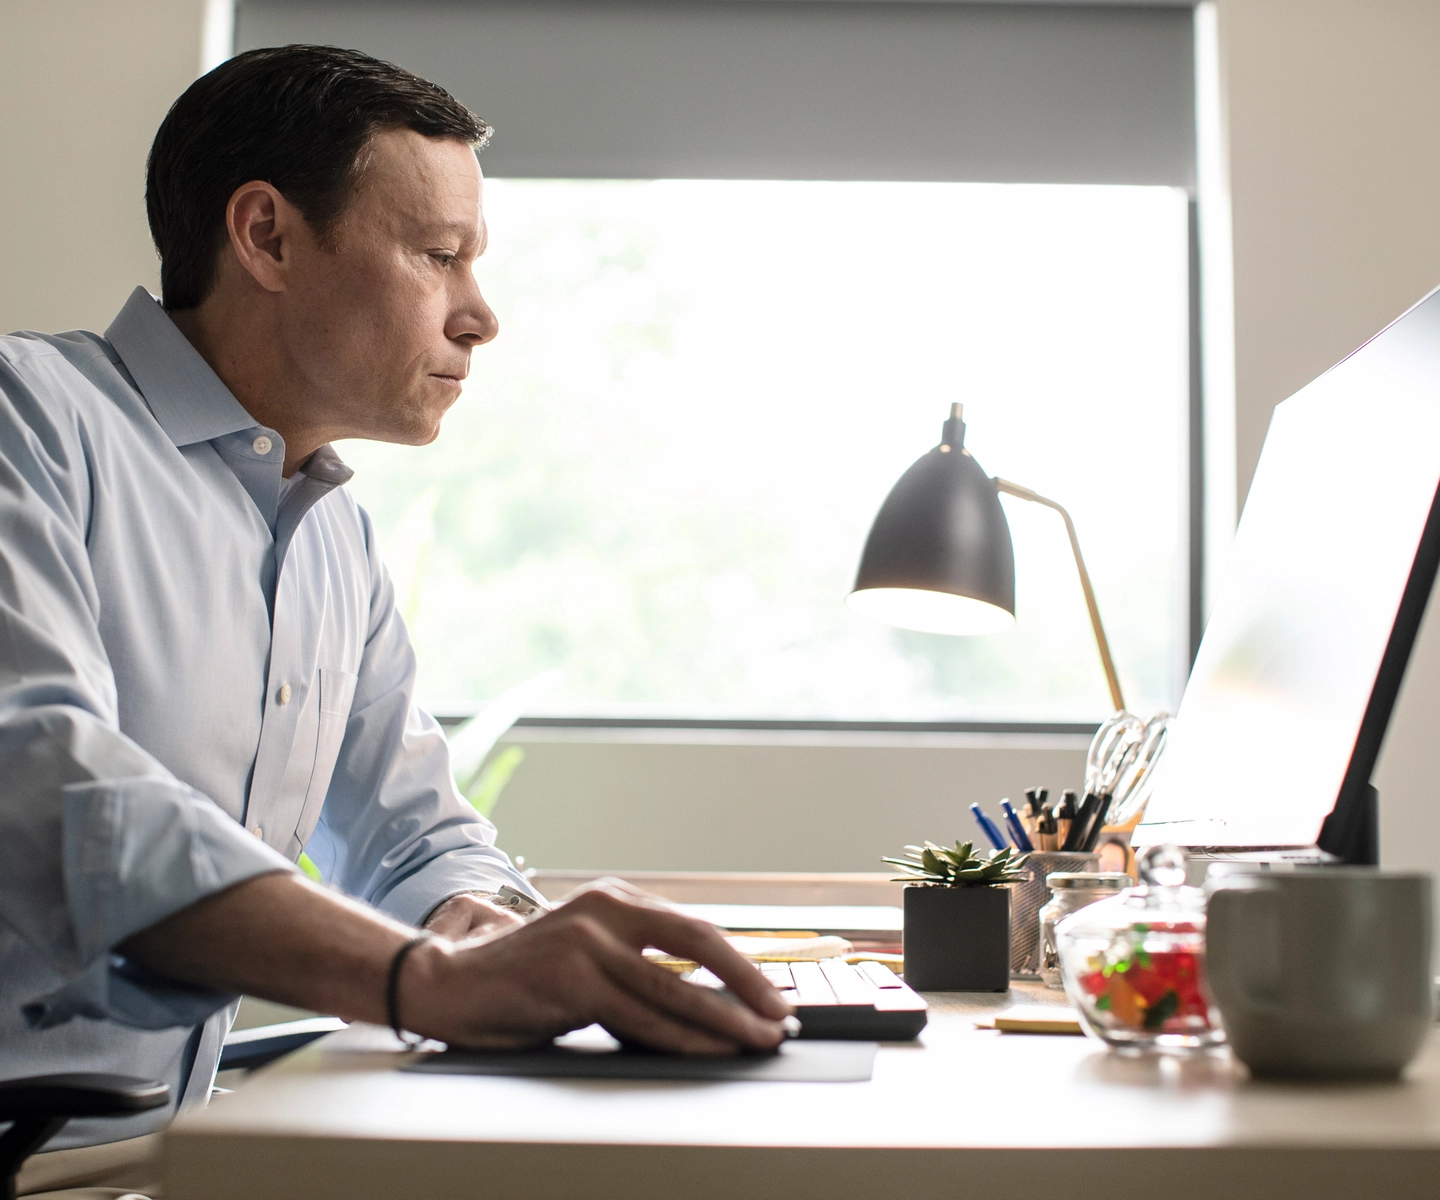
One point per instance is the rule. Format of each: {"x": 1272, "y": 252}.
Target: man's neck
{"x": 243, "y": 356}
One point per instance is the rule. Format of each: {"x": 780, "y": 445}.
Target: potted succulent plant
{"x": 957, "y": 916}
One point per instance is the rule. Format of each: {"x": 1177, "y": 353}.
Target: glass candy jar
{"x": 1134, "y": 965}
{"x": 1069, "y": 892}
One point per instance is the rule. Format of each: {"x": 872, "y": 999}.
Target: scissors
{"x": 1122, "y": 761}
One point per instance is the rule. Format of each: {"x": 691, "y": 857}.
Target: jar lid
{"x": 1088, "y": 879}
{"x": 1161, "y": 901}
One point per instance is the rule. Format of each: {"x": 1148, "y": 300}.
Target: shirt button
{"x": 284, "y": 696}
{"x": 258, "y": 832}
{"x": 261, "y": 445}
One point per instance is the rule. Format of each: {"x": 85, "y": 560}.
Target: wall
{"x": 1335, "y": 173}
{"x": 1334, "y": 168}
{"x": 83, "y": 85}
{"x": 779, "y": 802}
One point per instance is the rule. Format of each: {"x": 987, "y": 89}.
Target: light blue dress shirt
{"x": 202, "y": 672}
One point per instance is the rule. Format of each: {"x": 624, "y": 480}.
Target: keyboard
{"x": 866, "y": 1002}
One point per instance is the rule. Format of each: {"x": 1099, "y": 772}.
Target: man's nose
{"x": 472, "y": 321}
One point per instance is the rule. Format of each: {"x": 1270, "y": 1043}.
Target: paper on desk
{"x": 845, "y": 919}
{"x": 768, "y": 949}
{"x": 779, "y": 949}
{"x": 1033, "y": 1018}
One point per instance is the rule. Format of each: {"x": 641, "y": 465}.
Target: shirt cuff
{"x": 134, "y": 852}
{"x": 137, "y": 851}
{"x": 420, "y": 894}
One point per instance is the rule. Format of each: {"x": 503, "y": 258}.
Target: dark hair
{"x": 297, "y": 117}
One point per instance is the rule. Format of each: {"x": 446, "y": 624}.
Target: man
{"x": 202, "y": 671}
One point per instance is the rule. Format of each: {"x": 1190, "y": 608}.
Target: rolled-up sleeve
{"x": 394, "y": 830}
{"x": 97, "y": 839}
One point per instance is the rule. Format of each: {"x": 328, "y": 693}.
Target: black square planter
{"x": 957, "y": 939}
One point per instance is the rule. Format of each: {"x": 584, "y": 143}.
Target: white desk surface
{"x": 965, "y": 1112}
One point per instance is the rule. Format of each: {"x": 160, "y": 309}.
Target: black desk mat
{"x": 796, "y": 1062}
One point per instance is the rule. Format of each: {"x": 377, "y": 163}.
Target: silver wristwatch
{"x": 514, "y": 901}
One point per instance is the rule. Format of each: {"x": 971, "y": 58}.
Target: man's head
{"x": 317, "y": 214}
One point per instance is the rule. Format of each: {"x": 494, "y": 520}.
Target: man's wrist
{"x": 513, "y": 900}
{"x": 505, "y": 898}
{"x": 421, "y": 977}
{"x": 392, "y": 981}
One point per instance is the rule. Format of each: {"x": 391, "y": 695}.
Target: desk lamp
{"x": 939, "y": 557}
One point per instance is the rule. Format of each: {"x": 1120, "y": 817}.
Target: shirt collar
{"x": 327, "y": 467}
{"x": 186, "y": 396}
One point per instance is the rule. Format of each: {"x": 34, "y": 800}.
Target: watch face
{"x": 508, "y": 897}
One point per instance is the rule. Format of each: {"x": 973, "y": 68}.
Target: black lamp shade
{"x": 939, "y": 557}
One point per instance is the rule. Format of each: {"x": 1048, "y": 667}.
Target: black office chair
{"x": 40, "y": 1105}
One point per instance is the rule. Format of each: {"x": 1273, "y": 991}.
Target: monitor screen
{"x": 1318, "y": 606}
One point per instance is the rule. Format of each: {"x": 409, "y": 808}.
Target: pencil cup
{"x": 1026, "y": 900}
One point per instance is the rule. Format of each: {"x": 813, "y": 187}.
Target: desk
{"x": 964, "y": 1113}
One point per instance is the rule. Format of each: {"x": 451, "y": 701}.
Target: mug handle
{"x": 1236, "y": 916}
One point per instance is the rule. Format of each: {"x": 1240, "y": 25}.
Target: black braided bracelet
{"x": 392, "y": 987}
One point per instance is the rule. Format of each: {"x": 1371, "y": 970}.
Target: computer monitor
{"x": 1315, "y": 616}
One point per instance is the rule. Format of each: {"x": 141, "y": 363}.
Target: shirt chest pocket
{"x": 337, "y": 690}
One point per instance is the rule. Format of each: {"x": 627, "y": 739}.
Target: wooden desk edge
{"x": 202, "y": 1166}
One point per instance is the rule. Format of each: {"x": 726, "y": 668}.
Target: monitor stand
{"x": 1352, "y": 830}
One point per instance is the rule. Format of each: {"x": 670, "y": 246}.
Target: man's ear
{"x": 263, "y": 228}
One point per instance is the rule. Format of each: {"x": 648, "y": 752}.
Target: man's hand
{"x": 468, "y": 916}
{"x": 280, "y": 937}
{"x": 581, "y": 964}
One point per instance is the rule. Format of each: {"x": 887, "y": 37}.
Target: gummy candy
{"x": 1138, "y": 985}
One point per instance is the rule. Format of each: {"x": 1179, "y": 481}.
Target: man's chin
{"x": 417, "y": 426}
{"x": 416, "y": 430}
{"x": 410, "y": 435}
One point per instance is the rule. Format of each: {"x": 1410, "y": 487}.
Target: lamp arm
{"x": 1024, "y": 493}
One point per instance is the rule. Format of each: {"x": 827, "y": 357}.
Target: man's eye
{"x": 443, "y": 258}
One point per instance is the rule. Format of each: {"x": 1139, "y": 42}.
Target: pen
{"x": 1092, "y": 836}
{"x": 1042, "y": 811}
{"x": 1085, "y": 823}
{"x": 1048, "y": 829}
{"x": 1064, "y": 817}
{"x": 1017, "y": 830}
{"x": 988, "y": 828}
{"x": 1035, "y": 798}
{"x": 1080, "y": 826}
{"x": 1086, "y": 826}
{"x": 1030, "y": 814}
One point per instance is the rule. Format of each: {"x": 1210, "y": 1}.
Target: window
{"x": 741, "y": 273}
{"x": 663, "y": 470}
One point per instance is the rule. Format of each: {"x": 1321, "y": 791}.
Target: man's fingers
{"x": 572, "y": 975}
{"x": 649, "y": 922}
{"x": 582, "y": 964}
{"x": 632, "y": 1020}
{"x": 663, "y": 990}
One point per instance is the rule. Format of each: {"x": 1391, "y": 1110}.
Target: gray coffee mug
{"x": 1323, "y": 972}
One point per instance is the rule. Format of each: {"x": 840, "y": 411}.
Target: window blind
{"x": 791, "y": 89}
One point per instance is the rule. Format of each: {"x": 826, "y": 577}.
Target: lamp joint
{"x": 953, "y": 432}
